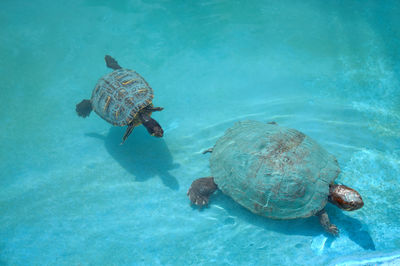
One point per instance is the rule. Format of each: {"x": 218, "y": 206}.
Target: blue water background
{"x": 70, "y": 194}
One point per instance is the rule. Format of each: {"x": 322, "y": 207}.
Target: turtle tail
{"x": 84, "y": 108}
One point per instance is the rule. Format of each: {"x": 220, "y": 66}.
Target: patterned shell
{"x": 273, "y": 171}
{"x": 120, "y": 95}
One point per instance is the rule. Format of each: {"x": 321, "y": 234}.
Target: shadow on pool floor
{"x": 347, "y": 225}
{"x": 141, "y": 155}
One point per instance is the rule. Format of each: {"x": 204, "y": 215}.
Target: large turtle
{"x": 122, "y": 97}
{"x": 275, "y": 172}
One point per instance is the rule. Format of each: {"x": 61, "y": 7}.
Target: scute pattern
{"x": 273, "y": 171}
{"x": 120, "y": 95}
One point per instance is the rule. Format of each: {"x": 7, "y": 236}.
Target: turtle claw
{"x": 196, "y": 198}
{"x": 333, "y": 230}
{"x": 200, "y": 191}
{"x": 326, "y": 224}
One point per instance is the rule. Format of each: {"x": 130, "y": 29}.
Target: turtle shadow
{"x": 353, "y": 228}
{"x": 349, "y": 226}
{"x": 141, "y": 155}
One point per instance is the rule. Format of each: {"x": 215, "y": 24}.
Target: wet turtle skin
{"x": 120, "y": 95}
{"x": 273, "y": 171}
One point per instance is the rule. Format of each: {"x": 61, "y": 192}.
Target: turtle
{"x": 122, "y": 97}
{"x": 276, "y": 172}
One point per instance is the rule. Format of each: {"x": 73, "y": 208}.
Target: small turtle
{"x": 276, "y": 172}
{"x": 122, "y": 97}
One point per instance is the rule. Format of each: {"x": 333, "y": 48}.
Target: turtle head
{"x": 157, "y": 131}
{"x": 344, "y": 197}
{"x": 152, "y": 126}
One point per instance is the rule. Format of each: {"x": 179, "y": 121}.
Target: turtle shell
{"x": 120, "y": 95}
{"x": 273, "y": 171}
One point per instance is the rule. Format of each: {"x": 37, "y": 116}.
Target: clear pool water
{"x": 71, "y": 195}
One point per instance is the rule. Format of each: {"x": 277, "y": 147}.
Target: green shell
{"x": 273, "y": 171}
{"x": 120, "y": 95}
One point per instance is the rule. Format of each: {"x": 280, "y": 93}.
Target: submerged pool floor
{"x": 71, "y": 194}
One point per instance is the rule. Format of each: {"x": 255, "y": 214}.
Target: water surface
{"x": 70, "y": 194}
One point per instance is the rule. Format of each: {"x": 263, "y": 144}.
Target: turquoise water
{"x": 70, "y": 194}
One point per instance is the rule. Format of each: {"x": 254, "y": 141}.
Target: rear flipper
{"x": 152, "y": 126}
{"x": 84, "y": 108}
{"x": 201, "y": 189}
{"x": 112, "y": 63}
{"x": 326, "y": 224}
{"x": 210, "y": 150}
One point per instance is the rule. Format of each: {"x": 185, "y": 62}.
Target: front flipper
{"x": 127, "y": 132}
{"x": 112, "y": 63}
{"x": 201, "y": 189}
{"x": 153, "y": 109}
{"x": 326, "y": 224}
{"x": 152, "y": 126}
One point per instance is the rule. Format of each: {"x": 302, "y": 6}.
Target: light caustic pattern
{"x": 70, "y": 194}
